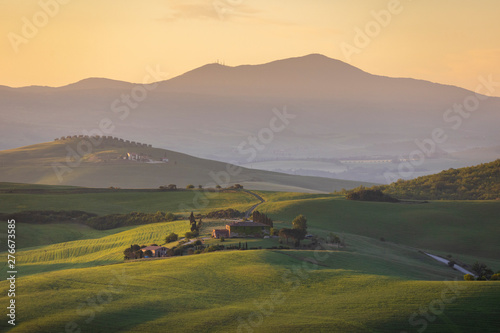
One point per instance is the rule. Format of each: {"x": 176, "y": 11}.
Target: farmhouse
{"x": 218, "y": 233}
{"x": 158, "y": 251}
{"x": 248, "y": 229}
{"x": 132, "y": 156}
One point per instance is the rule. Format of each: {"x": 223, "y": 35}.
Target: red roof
{"x": 248, "y": 224}
{"x": 153, "y": 248}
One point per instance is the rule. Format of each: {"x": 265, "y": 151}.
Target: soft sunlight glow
{"x": 57, "y": 42}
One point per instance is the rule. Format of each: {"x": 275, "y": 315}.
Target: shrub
{"x": 191, "y": 234}
{"x": 172, "y": 237}
{"x": 364, "y": 194}
{"x": 190, "y": 186}
{"x": 495, "y": 277}
{"x": 225, "y": 214}
{"x": 468, "y": 277}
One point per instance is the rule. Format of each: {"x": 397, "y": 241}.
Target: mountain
{"x": 106, "y": 163}
{"x": 340, "y": 113}
{"x": 480, "y": 182}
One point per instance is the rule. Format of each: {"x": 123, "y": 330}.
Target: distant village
{"x": 132, "y": 155}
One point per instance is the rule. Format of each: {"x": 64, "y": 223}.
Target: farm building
{"x": 132, "y": 156}
{"x": 248, "y": 229}
{"x": 158, "y": 251}
{"x": 218, "y": 233}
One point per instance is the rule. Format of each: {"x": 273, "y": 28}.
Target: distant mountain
{"x": 114, "y": 162}
{"x": 341, "y": 112}
{"x": 481, "y": 182}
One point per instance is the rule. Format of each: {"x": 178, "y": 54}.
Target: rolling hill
{"x": 341, "y": 112}
{"x": 59, "y": 163}
{"x": 214, "y": 292}
{"x": 480, "y": 182}
{"x": 78, "y": 274}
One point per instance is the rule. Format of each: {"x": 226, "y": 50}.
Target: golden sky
{"x": 446, "y": 41}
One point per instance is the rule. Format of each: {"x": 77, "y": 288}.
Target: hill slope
{"x": 58, "y": 163}
{"x": 346, "y": 291}
{"x": 481, "y": 182}
{"x": 341, "y": 113}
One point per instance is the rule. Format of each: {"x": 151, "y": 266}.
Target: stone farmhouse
{"x": 218, "y": 233}
{"x": 243, "y": 229}
{"x": 158, "y": 251}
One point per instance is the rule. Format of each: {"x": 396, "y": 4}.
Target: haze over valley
{"x": 333, "y": 120}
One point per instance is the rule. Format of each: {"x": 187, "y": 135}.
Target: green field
{"x": 275, "y": 291}
{"x": 72, "y": 277}
{"x": 463, "y": 227}
{"x": 111, "y": 202}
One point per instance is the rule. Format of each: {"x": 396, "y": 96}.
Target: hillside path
{"x": 250, "y": 211}
{"x": 458, "y": 268}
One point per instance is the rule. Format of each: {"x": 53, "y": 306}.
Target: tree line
{"x": 104, "y": 222}
{"x": 481, "y": 182}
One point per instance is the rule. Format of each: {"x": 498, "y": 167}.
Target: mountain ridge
{"x": 310, "y": 61}
{"x": 341, "y": 112}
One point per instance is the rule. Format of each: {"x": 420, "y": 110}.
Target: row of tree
{"x": 173, "y": 187}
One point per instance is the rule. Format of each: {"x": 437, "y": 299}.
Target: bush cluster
{"x": 225, "y": 214}
{"x": 366, "y": 194}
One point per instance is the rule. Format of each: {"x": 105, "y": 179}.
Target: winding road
{"x": 250, "y": 211}
{"x": 444, "y": 261}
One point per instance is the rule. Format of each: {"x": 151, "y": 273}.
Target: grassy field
{"x": 31, "y": 235}
{"x": 80, "y": 282}
{"x": 464, "y": 227}
{"x": 101, "y": 248}
{"x": 127, "y": 201}
{"x": 270, "y": 291}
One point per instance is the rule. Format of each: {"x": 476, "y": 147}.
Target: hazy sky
{"x": 446, "y": 41}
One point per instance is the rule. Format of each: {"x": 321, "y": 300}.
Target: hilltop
{"x": 342, "y": 114}
{"x": 481, "y": 182}
{"x": 112, "y": 162}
